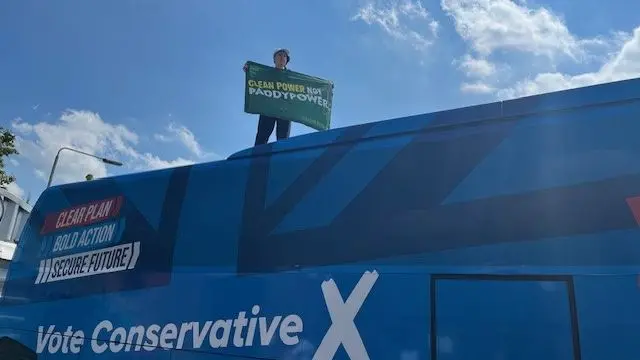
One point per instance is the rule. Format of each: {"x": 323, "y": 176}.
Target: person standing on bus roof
{"x": 266, "y": 124}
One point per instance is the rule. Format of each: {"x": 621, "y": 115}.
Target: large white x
{"x": 343, "y": 330}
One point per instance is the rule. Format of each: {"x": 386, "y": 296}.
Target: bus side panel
{"x": 496, "y": 316}
{"x": 609, "y": 316}
{"x": 546, "y": 176}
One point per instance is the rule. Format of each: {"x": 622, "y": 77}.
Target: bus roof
{"x": 590, "y": 96}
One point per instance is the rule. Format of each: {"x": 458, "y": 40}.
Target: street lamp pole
{"x": 55, "y": 161}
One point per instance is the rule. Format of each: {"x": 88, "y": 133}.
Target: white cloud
{"x": 494, "y": 28}
{"x": 405, "y": 20}
{"x": 14, "y": 162}
{"x": 152, "y": 162}
{"x": 15, "y": 190}
{"x": 625, "y": 64}
{"x": 161, "y": 137}
{"x": 85, "y": 131}
{"x": 474, "y": 67}
{"x": 20, "y": 126}
{"x": 185, "y": 137}
{"x": 477, "y": 88}
{"x": 490, "y": 25}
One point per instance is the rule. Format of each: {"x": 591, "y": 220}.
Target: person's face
{"x": 280, "y": 59}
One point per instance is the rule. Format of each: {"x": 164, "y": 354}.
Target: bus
{"x": 508, "y": 230}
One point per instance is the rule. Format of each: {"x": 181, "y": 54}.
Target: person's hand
{"x": 245, "y": 67}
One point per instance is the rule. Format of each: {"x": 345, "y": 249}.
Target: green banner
{"x": 288, "y": 95}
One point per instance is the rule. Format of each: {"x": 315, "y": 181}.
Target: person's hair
{"x": 284, "y": 51}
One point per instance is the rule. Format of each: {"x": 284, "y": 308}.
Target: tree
{"x": 7, "y": 148}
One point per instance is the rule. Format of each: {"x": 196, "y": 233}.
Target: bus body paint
{"x": 506, "y": 230}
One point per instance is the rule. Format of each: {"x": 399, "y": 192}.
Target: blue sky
{"x": 160, "y": 83}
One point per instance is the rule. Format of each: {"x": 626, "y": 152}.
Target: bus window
{"x": 494, "y": 317}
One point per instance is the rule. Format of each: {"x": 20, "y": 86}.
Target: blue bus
{"x": 508, "y": 230}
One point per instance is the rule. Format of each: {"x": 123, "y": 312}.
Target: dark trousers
{"x": 265, "y": 128}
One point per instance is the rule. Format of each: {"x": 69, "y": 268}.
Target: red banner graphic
{"x": 634, "y": 205}
{"x": 82, "y": 215}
